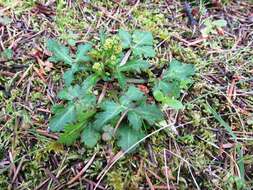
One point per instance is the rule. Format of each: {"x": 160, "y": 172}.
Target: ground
{"x": 210, "y": 145}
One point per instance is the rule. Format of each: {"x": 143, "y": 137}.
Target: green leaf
{"x": 111, "y": 110}
{"x": 171, "y": 89}
{"x": 135, "y": 65}
{"x": 132, "y": 94}
{"x": 63, "y": 118}
{"x": 161, "y": 85}
{"x": 70, "y": 93}
{"x": 134, "y": 119}
{"x": 90, "y": 137}
{"x": 128, "y": 137}
{"x": 71, "y": 42}
{"x": 179, "y": 71}
{"x": 158, "y": 95}
{"x": 143, "y": 44}
{"x": 121, "y": 79}
{"x": 71, "y": 133}
{"x": 142, "y": 38}
{"x": 150, "y": 112}
{"x": 146, "y": 51}
{"x": 60, "y": 52}
{"x": 88, "y": 83}
{"x": 173, "y": 103}
{"x": 69, "y": 75}
{"x": 86, "y": 103}
{"x": 81, "y": 55}
{"x": 125, "y": 38}
{"x": 57, "y": 108}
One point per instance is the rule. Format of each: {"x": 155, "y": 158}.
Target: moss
{"x": 68, "y": 20}
{"x": 152, "y": 21}
{"x": 115, "y": 180}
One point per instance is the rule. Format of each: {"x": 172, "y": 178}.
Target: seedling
{"x": 126, "y": 116}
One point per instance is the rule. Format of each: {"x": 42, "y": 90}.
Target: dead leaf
{"x": 143, "y": 88}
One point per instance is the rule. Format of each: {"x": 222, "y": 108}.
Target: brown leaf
{"x": 143, "y": 88}
{"x": 45, "y": 65}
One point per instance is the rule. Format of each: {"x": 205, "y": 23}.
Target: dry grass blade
{"x": 79, "y": 175}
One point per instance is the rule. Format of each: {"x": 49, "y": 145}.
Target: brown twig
{"x": 17, "y": 170}
{"x": 42, "y": 184}
{"x": 79, "y": 175}
{"x": 24, "y": 75}
{"x": 119, "y": 121}
{"x": 149, "y": 182}
{"x": 45, "y": 133}
{"x": 118, "y": 155}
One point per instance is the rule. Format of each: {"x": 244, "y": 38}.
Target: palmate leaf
{"x": 62, "y": 118}
{"x": 84, "y": 104}
{"x": 81, "y": 54}
{"x": 169, "y": 88}
{"x": 69, "y": 75}
{"x": 142, "y": 38}
{"x": 162, "y": 85}
{"x": 127, "y": 137}
{"x": 143, "y": 44}
{"x": 169, "y": 101}
{"x": 172, "y": 103}
{"x": 72, "y": 112}
{"x": 60, "y": 52}
{"x": 179, "y": 71}
{"x": 121, "y": 79}
{"x": 78, "y": 92}
{"x": 149, "y": 112}
{"x": 131, "y": 66}
{"x": 73, "y": 131}
{"x": 125, "y": 38}
{"x": 90, "y": 137}
{"x": 134, "y": 119}
{"x": 177, "y": 77}
{"x": 70, "y": 93}
{"x": 111, "y": 110}
{"x": 146, "y": 51}
{"x": 135, "y": 65}
{"x": 133, "y": 94}
{"x": 89, "y": 82}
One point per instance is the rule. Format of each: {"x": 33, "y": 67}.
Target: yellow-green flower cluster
{"x": 113, "y": 45}
{"x": 98, "y": 67}
{"x": 112, "y": 48}
{"x": 106, "y": 55}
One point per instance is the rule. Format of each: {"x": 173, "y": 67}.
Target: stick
{"x": 82, "y": 171}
